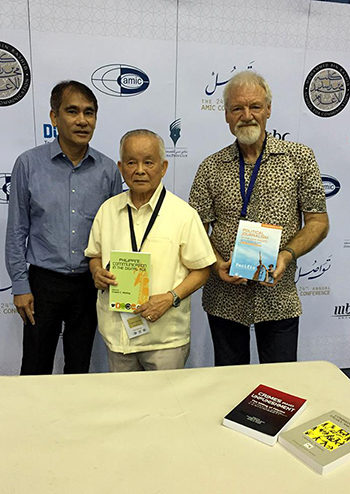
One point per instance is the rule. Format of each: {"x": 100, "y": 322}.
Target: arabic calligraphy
{"x": 327, "y": 89}
{"x": 11, "y": 75}
{"x": 316, "y": 270}
{"x": 211, "y": 88}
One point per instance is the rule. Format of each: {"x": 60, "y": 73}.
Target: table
{"x": 157, "y": 432}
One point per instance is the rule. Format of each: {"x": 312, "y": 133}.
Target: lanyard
{"x": 150, "y": 223}
{"x": 246, "y": 196}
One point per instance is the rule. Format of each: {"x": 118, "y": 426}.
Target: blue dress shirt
{"x": 51, "y": 209}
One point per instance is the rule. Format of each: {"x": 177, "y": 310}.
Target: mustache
{"x": 253, "y": 123}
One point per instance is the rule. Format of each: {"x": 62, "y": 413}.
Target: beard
{"x": 248, "y": 134}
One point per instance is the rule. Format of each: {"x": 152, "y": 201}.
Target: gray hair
{"x": 143, "y": 132}
{"x": 246, "y": 77}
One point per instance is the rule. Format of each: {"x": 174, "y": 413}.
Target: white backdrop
{"x": 188, "y": 49}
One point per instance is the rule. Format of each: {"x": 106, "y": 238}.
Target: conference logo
{"x": 175, "y": 134}
{"x": 327, "y": 89}
{"x": 120, "y": 80}
{"x": 211, "y": 102}
{"x": 5, "y": 187}
{"x": 313, "y": 282}
{"x": 342, "y": 311}
{"x": 14, "y": 75}
{"x": 331, "y": 185}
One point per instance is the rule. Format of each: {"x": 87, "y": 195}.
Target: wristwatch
{"x": 177, "y": 299}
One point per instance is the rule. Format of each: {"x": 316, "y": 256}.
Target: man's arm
{"x": 316, "y": 227}
{"x": 18, "y": 225}
{"x": 222, "y": 268}
{"x": 158, "y": 304}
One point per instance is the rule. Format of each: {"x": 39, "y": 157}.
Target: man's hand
{"x": 284, "y": 258}
{"x": 156, "y": 306}
{"x": 103, "y": 278}
{"x": 222, "y": 268}
{"x": 25, "y": 306}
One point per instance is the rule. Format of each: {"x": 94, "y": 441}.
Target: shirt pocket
{"x": 94, "y": 197}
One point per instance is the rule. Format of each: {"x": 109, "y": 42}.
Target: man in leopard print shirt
{"x": 288, "y": 188}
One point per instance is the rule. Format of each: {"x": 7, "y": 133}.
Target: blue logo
{"x": 331, "y": 185}
{"x": 49, "y": 131}
{"x": 120, "y": 80}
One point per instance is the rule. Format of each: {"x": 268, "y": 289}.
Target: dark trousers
{"x": 59, "y": 298}
{"x": 277, "y": 341}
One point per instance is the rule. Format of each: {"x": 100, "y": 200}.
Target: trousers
{"x": 169, "y": 358}
{"x": 59, "y": 298}
{"x": 277, "y": 341}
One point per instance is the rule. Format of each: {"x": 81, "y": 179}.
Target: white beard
{"x": 248, "y": 134}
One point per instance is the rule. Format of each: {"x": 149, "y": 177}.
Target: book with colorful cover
{"x": 256, "y": 250}
{"x": 132, "y": 272}
{"x": 323, "y": 443}
{"x": 265, "y": 413}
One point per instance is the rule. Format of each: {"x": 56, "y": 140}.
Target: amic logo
{"x": 5, "y": 187}
{"x": 14, "y": 75}
{"x": 327, "y": 89}
{"x": 120, "y": 80}
{"x": 331, "y": 185}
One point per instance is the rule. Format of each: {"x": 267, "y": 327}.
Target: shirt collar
{"x": 273, "y": 146}
{"x": 151, "y": 203}
{"x": 56, "y": 150}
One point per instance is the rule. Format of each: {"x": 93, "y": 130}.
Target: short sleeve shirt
{"x": 288, "y": 184}
{"x": 177, "y": 243}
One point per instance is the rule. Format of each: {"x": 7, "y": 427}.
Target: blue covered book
{"x": 256, "y": 250}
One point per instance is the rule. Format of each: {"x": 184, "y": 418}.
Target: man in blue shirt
{"x": 56, "y": 190}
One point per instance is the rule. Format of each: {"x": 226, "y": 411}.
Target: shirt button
{"x": 73, "y": 251}
{"x": 73, "y": 231}
{"x": 73, "y": 171}
{"x": 73, "y": 270}
{"x": 73, "y": 210}
{"x": 73, "y": 190}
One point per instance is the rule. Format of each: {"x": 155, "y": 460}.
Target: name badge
{"x": 134, "y": 324}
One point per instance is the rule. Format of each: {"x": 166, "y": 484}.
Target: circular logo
{"x": 14, "y": 75}
{"x": 327, "y": 89}
{"x": 120, "y": 80}
{"x": 331, "y": 185}
{"x": 5, "y": 187}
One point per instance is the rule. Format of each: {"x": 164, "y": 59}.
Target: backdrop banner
{"x": 163, "y": 65}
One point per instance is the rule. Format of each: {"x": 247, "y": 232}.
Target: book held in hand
{"x": 256, "y": 250}
{"x": 132, "y": 272}
{"x": 265, "y": 413}
{"x": 323, "y": 443}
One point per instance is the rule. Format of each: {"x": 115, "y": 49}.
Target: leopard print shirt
{"x": 288, "y": 184}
